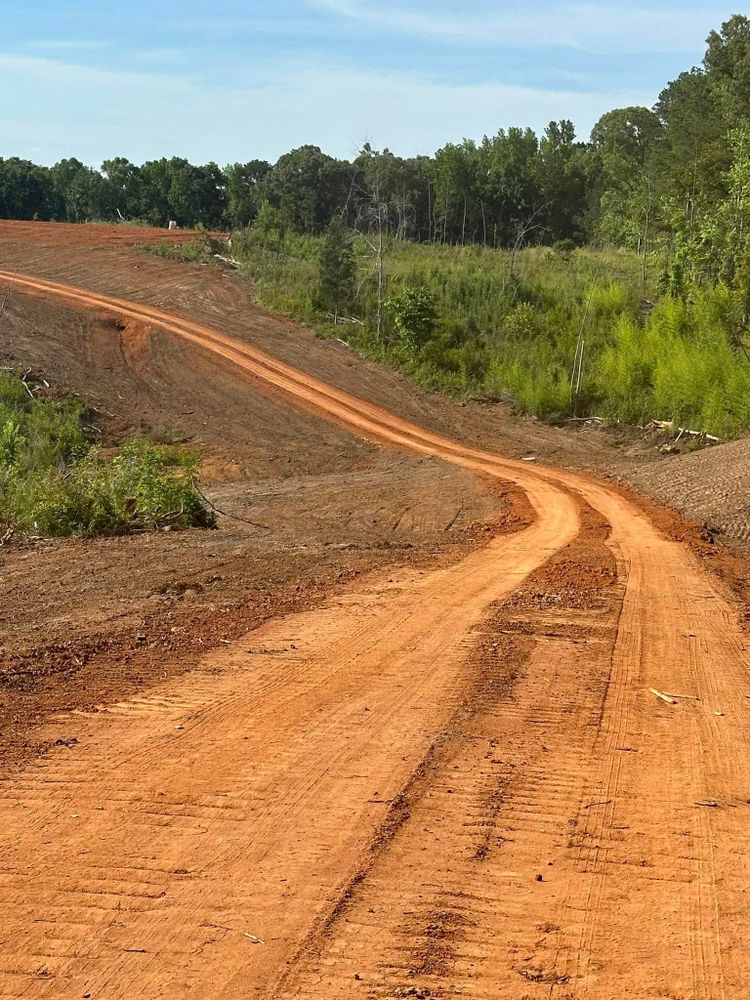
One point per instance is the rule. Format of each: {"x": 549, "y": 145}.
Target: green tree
{"x": 270, "y": 226}
{"x": 695, "y": 152}
{"x": 336, "y": 270}
{"x": 562, "y": 181}
{"x": 727, "y": 63}
{"x": 124, "y": 183}
{"x": 80, "y": 192}
{"x": 26, "y": 190}
{"x": 308, "y": 187}
{"x": 244, "y": 191}
{"x": 510, "y": 190}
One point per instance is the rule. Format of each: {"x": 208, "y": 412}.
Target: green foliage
{"x": 270, "y": 227}
{"x": 414, "y": 315}
{"x": 336, "y": 271}
{"x": 680, "y": 365}
{"x": 53, "y": 482}
{"x": 458, "y": 324}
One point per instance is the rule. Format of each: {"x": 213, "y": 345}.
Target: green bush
{"x": 414, "y": 315}
{"x": 54, "y": 482}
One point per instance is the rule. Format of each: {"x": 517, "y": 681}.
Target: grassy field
{"x": 558, "y": 333}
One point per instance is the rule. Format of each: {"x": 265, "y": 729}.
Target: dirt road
{"x": 447, "y": 783}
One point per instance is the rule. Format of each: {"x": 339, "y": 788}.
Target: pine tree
{"x": 337, "y": 270}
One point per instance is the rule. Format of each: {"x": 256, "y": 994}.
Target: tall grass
{"x": 509, "y": 325}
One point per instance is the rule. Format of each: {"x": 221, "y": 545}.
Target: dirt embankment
{"x": 712, "y": 486}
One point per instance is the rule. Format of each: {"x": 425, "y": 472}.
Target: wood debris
{"x": 664, "y": 697}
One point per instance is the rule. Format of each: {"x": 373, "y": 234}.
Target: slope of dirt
{"x": 711, "y": 485}
{"x": 67, "y": 235}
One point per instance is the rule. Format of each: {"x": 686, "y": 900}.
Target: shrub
{"x": 414, "y": 315}
{"x": 54, "y": 482}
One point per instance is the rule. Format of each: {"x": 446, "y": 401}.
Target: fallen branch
{"x": 664, "y": 697}
{"x": 25, "y": 384}
{"x": 344, "y": 319}
{"x": 668, "y": 425}
{"x": 223, "y": 513}
{"x": 228, "y": 260}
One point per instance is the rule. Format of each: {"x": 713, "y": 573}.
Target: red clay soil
{"x": 442, "y": 780}
{"x": 65, "y": 234}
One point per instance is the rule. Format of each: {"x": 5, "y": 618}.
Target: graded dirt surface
{"x": 65, "y": 234}
{"x": 712, "y": 485}
{"x": 447, "y": 779}
{"x": 312, "y": 506}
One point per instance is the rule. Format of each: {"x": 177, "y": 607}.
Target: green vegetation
{"x": 607, "y": 277}
{"x": 469, "y": 321}
{"x": 506, "y": 325}
{"x": 53, "y": 481}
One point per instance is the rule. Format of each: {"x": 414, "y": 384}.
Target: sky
{"x": 234, "y": 80}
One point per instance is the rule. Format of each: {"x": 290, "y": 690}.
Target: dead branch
{"x": 26, "y": 385}
{"x": 345, "y": 319}
{"x": 662, "y": 696}
{"x": 669, "y": 426}
{"x": 223, "y": 513}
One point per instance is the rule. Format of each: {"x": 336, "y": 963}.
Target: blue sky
{"x": 229, "y": 80}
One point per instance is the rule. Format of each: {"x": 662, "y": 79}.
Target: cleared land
{"x": 450, "y": 778}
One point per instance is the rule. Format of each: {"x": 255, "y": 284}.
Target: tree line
{"x": 676, "y": 175}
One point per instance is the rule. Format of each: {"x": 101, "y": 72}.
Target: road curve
{"x": 216, "y": 837}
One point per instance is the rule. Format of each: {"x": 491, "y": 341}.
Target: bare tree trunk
{"x": 381, "y": 277}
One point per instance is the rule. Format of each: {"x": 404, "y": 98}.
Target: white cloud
{"x": 586, "y": 26}
{"x": 93, "y": 113}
